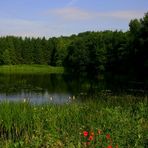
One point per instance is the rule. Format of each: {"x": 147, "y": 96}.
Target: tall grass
{"x": 30, "y": 69}
{"x": 48, "y": 125}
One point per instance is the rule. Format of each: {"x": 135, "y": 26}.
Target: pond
{"x": 39, "y": 88}
{"x": 35, "y": 88}
{"x": 50, "y": 88}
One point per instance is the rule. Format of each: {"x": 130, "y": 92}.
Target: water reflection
{"x": 57, "y": 88}
{"x": 37, "y": 98}
{"x": 35, "y": 88}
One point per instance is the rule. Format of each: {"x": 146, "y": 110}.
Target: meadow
{"x": 30, "y": 69}
{"x": 109, "y": 121}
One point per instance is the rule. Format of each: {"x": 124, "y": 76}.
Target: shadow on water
{"x": 59, "y": 89}
{"x": 35, "y": 88}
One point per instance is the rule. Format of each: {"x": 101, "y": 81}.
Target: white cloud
{"x": 77, "y": 14}
{"x": 71, "y": 13}
{"x": 127, "y": 15}
{"x": 66, "y": 21}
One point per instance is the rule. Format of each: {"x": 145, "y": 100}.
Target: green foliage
{"x": 138, "y": 45}
{"x": 6, "y": 57}
{"x": 115, "y": 53}
{"x": 15, "y": 50}
{"x": 25, "y": 125}
{"x": 77, "y": 59}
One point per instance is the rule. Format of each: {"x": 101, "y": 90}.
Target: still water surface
{"x": 35, "y": 88}
{"x": 53, "y": 88}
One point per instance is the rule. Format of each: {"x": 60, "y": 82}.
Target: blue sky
{"x": 38, "y": 18}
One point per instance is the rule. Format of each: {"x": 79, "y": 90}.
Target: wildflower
{"x": 85, "y": 133}
{"x": 87, "y": 143}
{"x": 90, "y": 137}
{"x": 99, "y": 131}
{"x": 73, "y": 97}
{"x": 107, "y": 136}
{"x": 92, "y": 134}
{"x": 116, "y": 146}
{"x": 109, "y": 146}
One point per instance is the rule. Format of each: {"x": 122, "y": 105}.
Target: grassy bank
{"x": 30, "y": 69}
{"x": 120, "y": 119}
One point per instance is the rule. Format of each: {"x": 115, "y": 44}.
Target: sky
{"x": 38, "y": 18}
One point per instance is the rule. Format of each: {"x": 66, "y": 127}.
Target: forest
{"x": 114, "y": 53}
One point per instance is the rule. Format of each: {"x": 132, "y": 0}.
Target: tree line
{"x": 94, "y": 53}
{"x": 18, "y": 50}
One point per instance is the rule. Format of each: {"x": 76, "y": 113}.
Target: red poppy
{"x": 107, "y": 136}
{"x": 85, "y": 133}
{"x": 109, "y": 146}
{"x": 90, "y": 138}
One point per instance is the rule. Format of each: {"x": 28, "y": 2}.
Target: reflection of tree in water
{"x": 32, "y": 83}
{"x": 83, "y": 87}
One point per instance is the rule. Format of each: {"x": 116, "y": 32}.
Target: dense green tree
{"x": 138, "y": 48}
{"x": 53, "y": 51}
{"x": 97, "y": 54}
{"x": 6, "y": 57}
{"x": 77, "y": 58}
{"x": 115, "y": 53}
{"x": 62, "y": 45}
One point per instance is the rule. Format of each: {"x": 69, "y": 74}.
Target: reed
{"x": 25, "y": 125}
